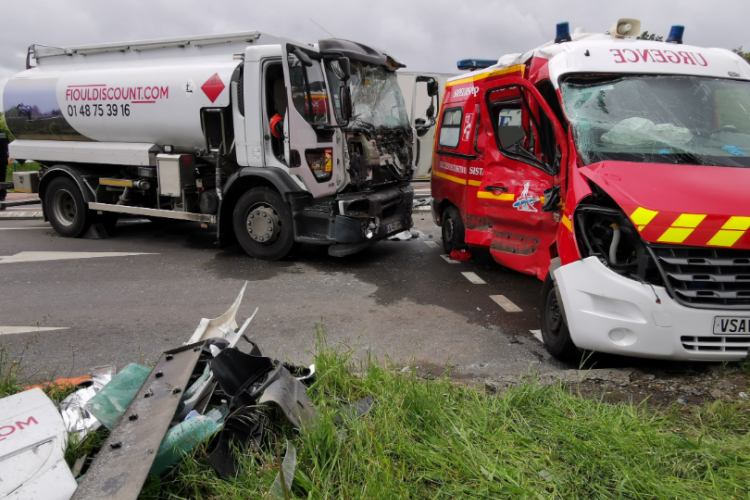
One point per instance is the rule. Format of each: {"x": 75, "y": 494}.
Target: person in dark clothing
{"x": 3, "y": 163}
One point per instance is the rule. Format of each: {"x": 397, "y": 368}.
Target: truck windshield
{"x": 376, "y": 96}
{"x": 660, "y": 119}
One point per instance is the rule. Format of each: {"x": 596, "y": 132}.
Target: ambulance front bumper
{"x": 609, "y": 313}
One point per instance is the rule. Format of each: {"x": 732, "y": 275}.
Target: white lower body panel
{"x": 609, "y": 313}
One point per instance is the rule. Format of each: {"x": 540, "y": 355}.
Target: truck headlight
{"x": 321, "y": 163}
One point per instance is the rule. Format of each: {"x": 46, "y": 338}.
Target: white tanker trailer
{"x": 273, "y": 141}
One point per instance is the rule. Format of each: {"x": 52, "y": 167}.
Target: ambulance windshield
{"x": 376, "y": 96}
{"x": 660, "y": 119}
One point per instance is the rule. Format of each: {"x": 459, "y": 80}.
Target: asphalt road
{"x": 399, "y": 300}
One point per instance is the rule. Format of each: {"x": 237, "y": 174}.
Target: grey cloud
{"x": 427, "y": 35}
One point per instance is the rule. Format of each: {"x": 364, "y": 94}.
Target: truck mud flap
{"x": 349, "y": 248}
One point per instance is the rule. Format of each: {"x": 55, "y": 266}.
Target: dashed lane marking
{"x": 12, "y": 330}
{"x": 17, "y": 228}
{"x": 537, "y": 335}
{"x": 42, "y": 256}
{"x": 431, "y": 244}
{"x": 447, "y": 259}
{"x": 505, "y": 303}
{"x": 474, "y": 278}
{"x": 21, "y": 215}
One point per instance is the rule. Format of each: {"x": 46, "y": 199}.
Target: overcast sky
{"x": 426, "y": 35}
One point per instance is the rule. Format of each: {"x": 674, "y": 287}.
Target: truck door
{"x": 309, "y": 145}
{"x": 529, "y": 147}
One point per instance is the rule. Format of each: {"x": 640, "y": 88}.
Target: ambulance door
{"x": 309, "y": 142}
{"x": 525, "y": 148}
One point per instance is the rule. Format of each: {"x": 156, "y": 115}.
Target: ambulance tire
{"x": 555, "y": 331}
{"x": 265, "y": 200}
{"x": 453, "y": 230}
{"x": 66, "y": 209}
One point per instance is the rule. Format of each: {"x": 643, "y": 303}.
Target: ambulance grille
{"x": 716, "y": 344}
{"x": 706, "y": 277}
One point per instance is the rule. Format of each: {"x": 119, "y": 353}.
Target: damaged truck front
{"x": 274, "y": 142}
{"x": 614, "y": 169}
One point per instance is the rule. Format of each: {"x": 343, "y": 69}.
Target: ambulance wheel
{"x": 453, "y": 230}
{"x": 555, "y": 331}
{"x": 66, "y": 209}
{"x": 263, "y": 224}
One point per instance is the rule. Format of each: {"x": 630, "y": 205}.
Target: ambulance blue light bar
{"x": 675, "y": 34}
{"x": 563, "y": 33}
{"x": 476, "y": 63}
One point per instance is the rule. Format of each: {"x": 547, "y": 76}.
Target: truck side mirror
{"x": 304, "y": 58}
{"x": 432, "y": 88}
{"x": 345, "y": 68}
{"x": 345, "y": 98}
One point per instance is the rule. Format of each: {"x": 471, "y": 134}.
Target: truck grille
{"x": 720, "y": 344}
{"x": 706, "y": 277}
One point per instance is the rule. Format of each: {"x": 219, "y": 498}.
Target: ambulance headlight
{"x": 605, "y": 232}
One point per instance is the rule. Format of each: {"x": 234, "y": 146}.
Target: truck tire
{"x": 262, "y": 222}
{"x": 66, "y": 209}
{"x": 453, "y": 230}
{"x": 555, "y": 331}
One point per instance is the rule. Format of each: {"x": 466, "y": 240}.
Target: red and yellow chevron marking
{"x": 692, "y": 229}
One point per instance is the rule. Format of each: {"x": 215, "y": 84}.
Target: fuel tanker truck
{"x": 272, "y": 142}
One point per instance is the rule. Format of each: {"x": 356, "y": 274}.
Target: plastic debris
{"x": 72, "y": 408}
{"x": 282, "y": 487}
{"x": 32, "y": 449}
{"x": 185, "y": 437}
{"x": 109, "y": 404}
{"x": 62, "y": 383}
{"x": 461, "y": 255}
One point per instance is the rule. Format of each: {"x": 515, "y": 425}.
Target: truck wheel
{"x": 554, "y": 329}
{"x": 66, "y": 208}
{"x": 453, "y": 230}
{"x": 263, "y": 224}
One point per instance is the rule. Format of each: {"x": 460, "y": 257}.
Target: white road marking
{"x": 447, "y": 259}
{"x": 474, "y": 278}
{"x": 537, "y": 335}
{"x": 505, "y": 303}
{"x": 431, "y": 244}
{"x": 42, "y": 256}
{"x": 11, "y": 330}
{"x": 16, "y": 228}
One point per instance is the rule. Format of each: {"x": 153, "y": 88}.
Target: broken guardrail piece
{"x": 32, "y": 449}
{"x": 109, "y": 404}
{"x": 121, "y": 467}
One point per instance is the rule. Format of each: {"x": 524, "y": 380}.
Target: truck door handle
{"x": 495, "y": 188}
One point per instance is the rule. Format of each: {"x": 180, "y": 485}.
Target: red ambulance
{"x": 616, "y": 170}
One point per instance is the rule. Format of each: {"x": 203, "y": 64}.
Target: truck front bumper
{"x": 610, "y": 313}
{"x": 373, "y": 216}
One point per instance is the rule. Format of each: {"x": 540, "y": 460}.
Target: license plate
{"x": 731, "y": 325}
{"x": 394, "y": 226}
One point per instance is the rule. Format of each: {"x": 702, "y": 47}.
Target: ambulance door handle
{"x": 495, "y": 188}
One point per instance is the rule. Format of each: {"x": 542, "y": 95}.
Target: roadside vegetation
{"x": 435, "y": 439}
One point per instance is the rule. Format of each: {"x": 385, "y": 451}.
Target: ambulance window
{"x": 509, "y": 128}
{"x": 450, "y": 130}
{"x": 309, "y": 93}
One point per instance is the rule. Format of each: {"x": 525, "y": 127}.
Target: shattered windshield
{"x": 660, "y": 119}
{"x": 376, "y": 97}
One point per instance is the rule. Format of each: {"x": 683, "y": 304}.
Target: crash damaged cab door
{"x": 309, "y": 143}
{"x": 522, "y": 164}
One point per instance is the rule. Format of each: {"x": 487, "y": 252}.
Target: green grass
{"x": 435, "y": 439}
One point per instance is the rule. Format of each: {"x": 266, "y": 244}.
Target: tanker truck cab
{"x": 272, "y": 142}
{"x": 615, "y": 170}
